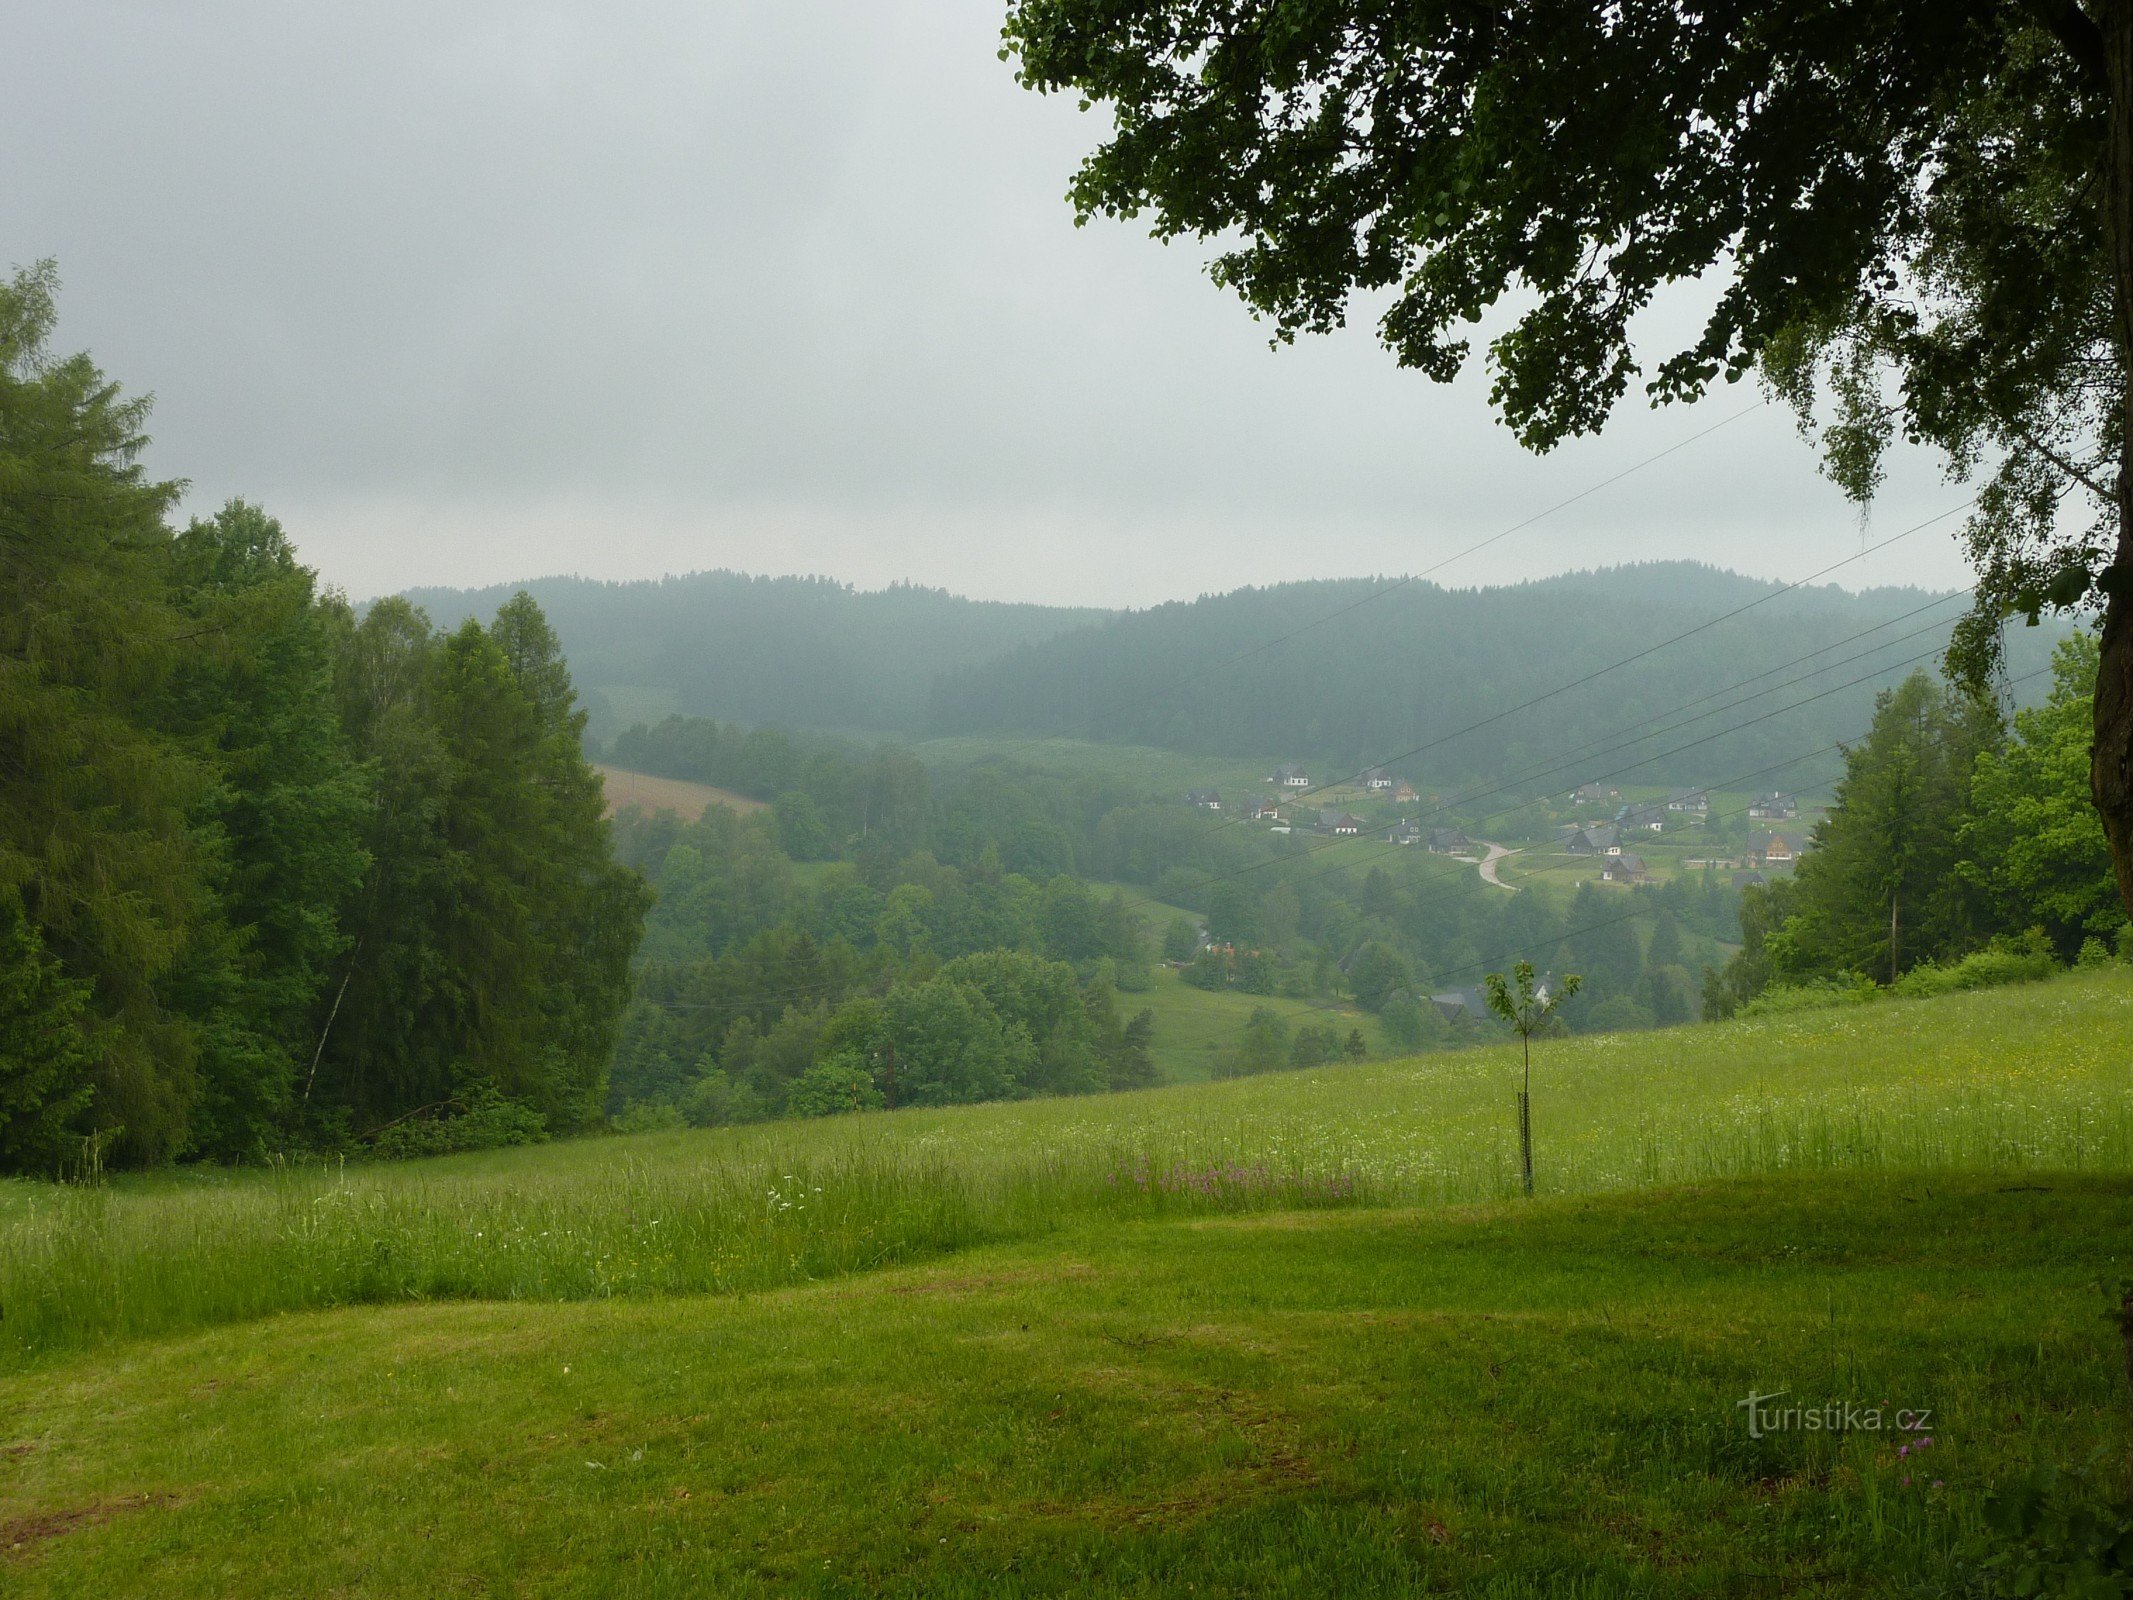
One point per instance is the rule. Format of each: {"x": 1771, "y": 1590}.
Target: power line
{"x": 1415, "y": 577}
{"x": 757, "y": 1000}
{"x": 1648, "y": 651}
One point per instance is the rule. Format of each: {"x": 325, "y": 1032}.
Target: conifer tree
{"x": 96, "y": 845}
{"x": 1880, "y": 890}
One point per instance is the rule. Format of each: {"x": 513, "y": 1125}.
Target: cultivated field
{"x": 1285, "y": 1335}
{"x": 686, "y": 799}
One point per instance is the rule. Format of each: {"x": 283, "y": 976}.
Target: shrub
{"x": 2052, "y": 1536}
{"x": 1814, "y": 994}
{"x": 487, "y": 1122}
{"x": 842, "y": 1082}
{"x": 1208, "y": 970}
{"x": 715, "y": 1099}
{"x": 649, "y": 1116}
{"x": 1987, "y": 969}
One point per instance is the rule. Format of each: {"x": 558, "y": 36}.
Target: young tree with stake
{"x": 1528, "y": 1010}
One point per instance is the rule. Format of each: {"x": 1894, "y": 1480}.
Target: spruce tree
{"x": 1880, "y": 890}
{"x": 96, "y": 802}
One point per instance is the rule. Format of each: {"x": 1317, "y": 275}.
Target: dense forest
{"x": 1416, "y": 666}
{"x": 857, "y": 943}
{"x": 805, "y": 652}
{"x": 270, "y": 877}
{"x": 1231, "y": 674}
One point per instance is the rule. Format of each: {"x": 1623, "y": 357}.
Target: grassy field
{"x": 1193, "y": 1025}
{"x": 1503, "y": 1401}
{"x": 1284, "y": 1335}
{"x": 679, "y": 795}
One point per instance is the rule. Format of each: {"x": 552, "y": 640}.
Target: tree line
{"x": 271, "y": 873}
{"x": 1954, "y": 836}
{"x": 1421, "y": 668}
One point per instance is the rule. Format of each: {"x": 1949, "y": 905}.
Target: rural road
{"x": 1487, "y": 864}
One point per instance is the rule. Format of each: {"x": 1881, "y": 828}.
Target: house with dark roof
{"x": 1291, "y": 777}
{"x": 1593, "y": 794}
{"x": 1775, "y": 808}
{"x": 1749, "y": 880}
{"x": 1403, "y": 793}
{"x": 1624, "y": 868}
{"x": 1461, "y": 1005}
{"x": 1650, "y": 818}
{"x": 1598, "y": 840}
{"x": 1449, "y": 841}
{"x": 1342, "y": 823}
{"x": 1404, "y": 832}
{"x": 1377, "y": 780}
{"x": 1266, "y": 811}
{"x": 1693, "y": 801}
{"x": 1205, "y": 799}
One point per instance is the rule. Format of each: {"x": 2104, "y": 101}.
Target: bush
{"x": 1208, "y": 970}
{"x": 1314, "y": 1047}
{"x": 2052, "y": 1537}
{"x": 715, "y": 1100}
{"x": 1987, "y": 969}
{"x": 1179, "y": 939}
{"x": 649, "y": 1116}
{"x": 1815, "y": 994}
{"x": 843, "y": 1082}
{"x": 487, "y": 1122}
{"x": 1618, "y": 1013}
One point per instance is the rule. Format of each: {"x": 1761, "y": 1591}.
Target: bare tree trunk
{"x": 2111, "y": 759}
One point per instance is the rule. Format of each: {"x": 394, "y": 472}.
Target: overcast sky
{"x": 476, "y": 292}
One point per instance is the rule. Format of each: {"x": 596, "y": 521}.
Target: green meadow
{"x": 1293, "y": 1334}
{"x": 1193, "y": 1027}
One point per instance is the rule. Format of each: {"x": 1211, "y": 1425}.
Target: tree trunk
{"x": 2111, "y": 759}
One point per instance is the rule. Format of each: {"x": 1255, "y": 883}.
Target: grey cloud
{"x": 473, "y": 292}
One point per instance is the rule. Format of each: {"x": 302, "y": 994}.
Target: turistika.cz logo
{"x": 1832, "y": 1416}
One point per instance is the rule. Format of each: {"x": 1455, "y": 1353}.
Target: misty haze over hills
{"x": 1348, "y": 670}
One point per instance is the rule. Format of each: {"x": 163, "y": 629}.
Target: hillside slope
{"x": 1213, "y": 1340}
{"x": 1258, "y": 669}
{"x": 806, "y": 652}
{"x": 1511, "y": 1400}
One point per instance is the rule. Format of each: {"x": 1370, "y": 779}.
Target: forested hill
{"x": 1414, "y": 666}
{"x": 805, "y": 652}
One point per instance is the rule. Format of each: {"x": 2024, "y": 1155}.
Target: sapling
{"x": 1528, "y": 1010}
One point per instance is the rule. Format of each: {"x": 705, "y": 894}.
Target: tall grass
{"x": 2013, "y": 1080}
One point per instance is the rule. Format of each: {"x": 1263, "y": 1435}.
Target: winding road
{"x": 1487, "y": 864}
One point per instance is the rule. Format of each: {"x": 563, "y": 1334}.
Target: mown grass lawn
{"x": 1504, "y": 1400}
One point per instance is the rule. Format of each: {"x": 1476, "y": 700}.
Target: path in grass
{"x": 1510, "y": 1400}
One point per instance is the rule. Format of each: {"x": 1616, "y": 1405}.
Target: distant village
{"x": 1612, "y": 844}
{"x": 1603, "y": 828}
